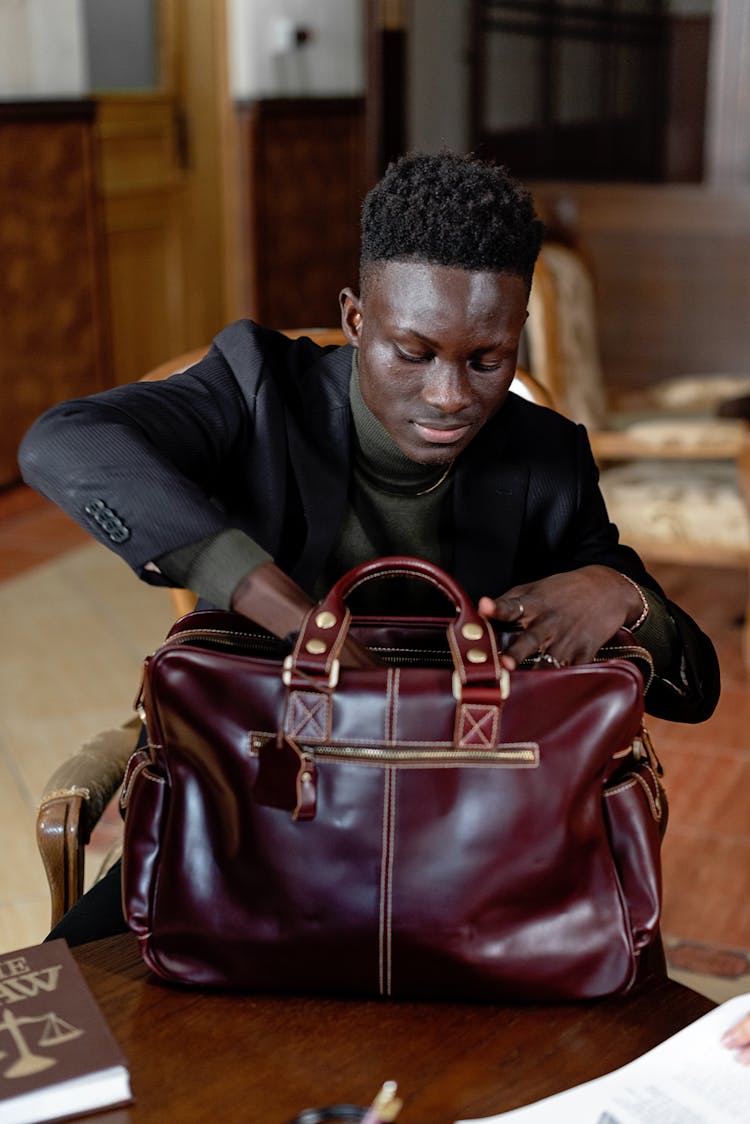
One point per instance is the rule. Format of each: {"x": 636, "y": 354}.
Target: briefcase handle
{"x": 287, "y": 775}
{"x": 471, "y": 639}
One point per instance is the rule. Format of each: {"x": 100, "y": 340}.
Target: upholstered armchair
{"x": 676, "y": 481}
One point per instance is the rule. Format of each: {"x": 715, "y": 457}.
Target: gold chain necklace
{"x": 436, "y": 485}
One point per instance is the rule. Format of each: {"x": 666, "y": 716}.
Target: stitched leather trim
{"x": 385, "y": 925}
{"x": 308, "y": 716}
{"x": 477, "y": 725}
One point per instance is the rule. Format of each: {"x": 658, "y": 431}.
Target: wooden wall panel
{"x": 672, "y": 266}
{"x": 53, "y": 334}
{"x": 141, "y": 184}
{"x": 303, "y": 184}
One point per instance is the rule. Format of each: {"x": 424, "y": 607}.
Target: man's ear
{"x": 351, "y": 315}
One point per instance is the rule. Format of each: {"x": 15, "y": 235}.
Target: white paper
{"x": 688, "y": 1079}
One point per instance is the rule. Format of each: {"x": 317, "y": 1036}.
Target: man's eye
{"x": 487, "y": 367}
{"x": 408, "y": 357}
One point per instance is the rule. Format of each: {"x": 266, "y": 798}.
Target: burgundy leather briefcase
{"x": 434, "y": 827}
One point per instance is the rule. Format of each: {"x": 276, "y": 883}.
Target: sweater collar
{"x": 377, "y": 456}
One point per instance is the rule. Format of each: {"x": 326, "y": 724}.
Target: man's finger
{"x": 508, "y": 608}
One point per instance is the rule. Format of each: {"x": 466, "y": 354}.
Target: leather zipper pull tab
{"x": 307, "y": 789}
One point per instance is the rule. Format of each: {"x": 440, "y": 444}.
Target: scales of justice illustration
{"x": 53, "y": 1032}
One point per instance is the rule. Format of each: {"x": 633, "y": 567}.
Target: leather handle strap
{"x": 313, "y": 664}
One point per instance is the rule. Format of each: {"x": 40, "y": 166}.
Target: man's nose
{"x": 446, "y": 388}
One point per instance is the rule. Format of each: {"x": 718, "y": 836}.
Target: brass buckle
{"x": 503, "y": 683}
{"x": 288, "y": 665}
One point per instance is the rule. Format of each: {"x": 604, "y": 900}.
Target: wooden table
{"x": 199, "y": 1056}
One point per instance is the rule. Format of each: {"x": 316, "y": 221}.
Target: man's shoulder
{"x": 518, "y": 415}
{"x": 253, "y": 351}
{"x": 245, "y": 343}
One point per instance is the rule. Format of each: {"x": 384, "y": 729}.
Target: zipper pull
{"x": 307, "y": 789}
{"x": 644, "y": 747}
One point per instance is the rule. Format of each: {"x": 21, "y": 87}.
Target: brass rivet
{"x": 325, "y": 619}
{"x": 472, "y": 631}
{"x": 305, "y": 777}
{"x": 315, "y": 647}
{"x": 476, "y": 655}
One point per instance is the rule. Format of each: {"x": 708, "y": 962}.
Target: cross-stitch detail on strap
{"x": 477, "y": 725}
{"x": 308, "y": 716}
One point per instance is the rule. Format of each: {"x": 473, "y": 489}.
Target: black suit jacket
{"x": 256, "y": 436}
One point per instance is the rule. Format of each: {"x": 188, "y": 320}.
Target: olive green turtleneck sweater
{"x": 394, "y": 506}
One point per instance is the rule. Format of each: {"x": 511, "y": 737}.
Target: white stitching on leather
{"x": 471, "y": 726}
{"x": 305, "y": 708}
{"x": 401, "y": 574}
{"x": 654, "y": 801}
{"x": 391, "y": 845}
{"x": 383, "y": 874}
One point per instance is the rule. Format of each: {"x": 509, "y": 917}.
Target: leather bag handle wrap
{"x": 314, "y": 660}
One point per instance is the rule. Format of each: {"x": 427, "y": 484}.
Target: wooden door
{"x": 167, "y": 186}
{"x": 53, "y": 323}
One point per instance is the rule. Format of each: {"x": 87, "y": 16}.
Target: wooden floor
{"x": 76, "y": 625}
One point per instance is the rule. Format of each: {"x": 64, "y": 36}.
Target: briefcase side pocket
{"x": 635, "y": 809}
{"x": 144, "y": 800}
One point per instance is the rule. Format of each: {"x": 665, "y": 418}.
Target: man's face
{"x": 437, "y": 351}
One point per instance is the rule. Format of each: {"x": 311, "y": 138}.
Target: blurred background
{"x": 167, "y": 166}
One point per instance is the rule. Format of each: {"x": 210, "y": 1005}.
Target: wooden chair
{"x": 677, "y": 483}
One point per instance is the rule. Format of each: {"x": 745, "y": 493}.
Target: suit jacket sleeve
{"x": 139, "y": 466}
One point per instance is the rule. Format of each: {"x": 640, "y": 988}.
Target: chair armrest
{"x": 183, "y": 601}
{"x": 72, "y": 803}
{"x": 719, "y": 439}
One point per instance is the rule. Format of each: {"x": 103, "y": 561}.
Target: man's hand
{"x": 269, "y": 597}
{"x": 568, "y": 616}
{"x": 738, "y": 1038}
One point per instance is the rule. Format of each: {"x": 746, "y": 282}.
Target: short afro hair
{"x": 453, "y": 210}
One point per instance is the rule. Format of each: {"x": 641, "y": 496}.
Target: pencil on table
{"x": 385, "y": 1107}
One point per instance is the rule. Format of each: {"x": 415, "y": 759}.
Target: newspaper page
{"x": 688, "y": 1079}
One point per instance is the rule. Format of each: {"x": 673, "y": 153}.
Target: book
{"x": 689, "y": 1078}
{"x": 58, "y": 1056}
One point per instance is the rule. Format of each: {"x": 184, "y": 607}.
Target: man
{"x": 272, "y": 466}
{"x": 263, "y": 473}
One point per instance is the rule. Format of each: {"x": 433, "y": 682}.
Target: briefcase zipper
{"x": 254, "y": 642}
{"x": 528, "y": 754}
{"x": 641, "y": 654}
{"x": 403, "y": 655}
{"x": 227, "y": 639}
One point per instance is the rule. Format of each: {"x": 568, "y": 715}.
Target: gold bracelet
{"x": 644, "y": 611}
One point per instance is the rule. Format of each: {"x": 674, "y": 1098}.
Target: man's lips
{"x": 440, "y": 435}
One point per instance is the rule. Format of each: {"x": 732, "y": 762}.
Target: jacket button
{"x": 109, "y": 521}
